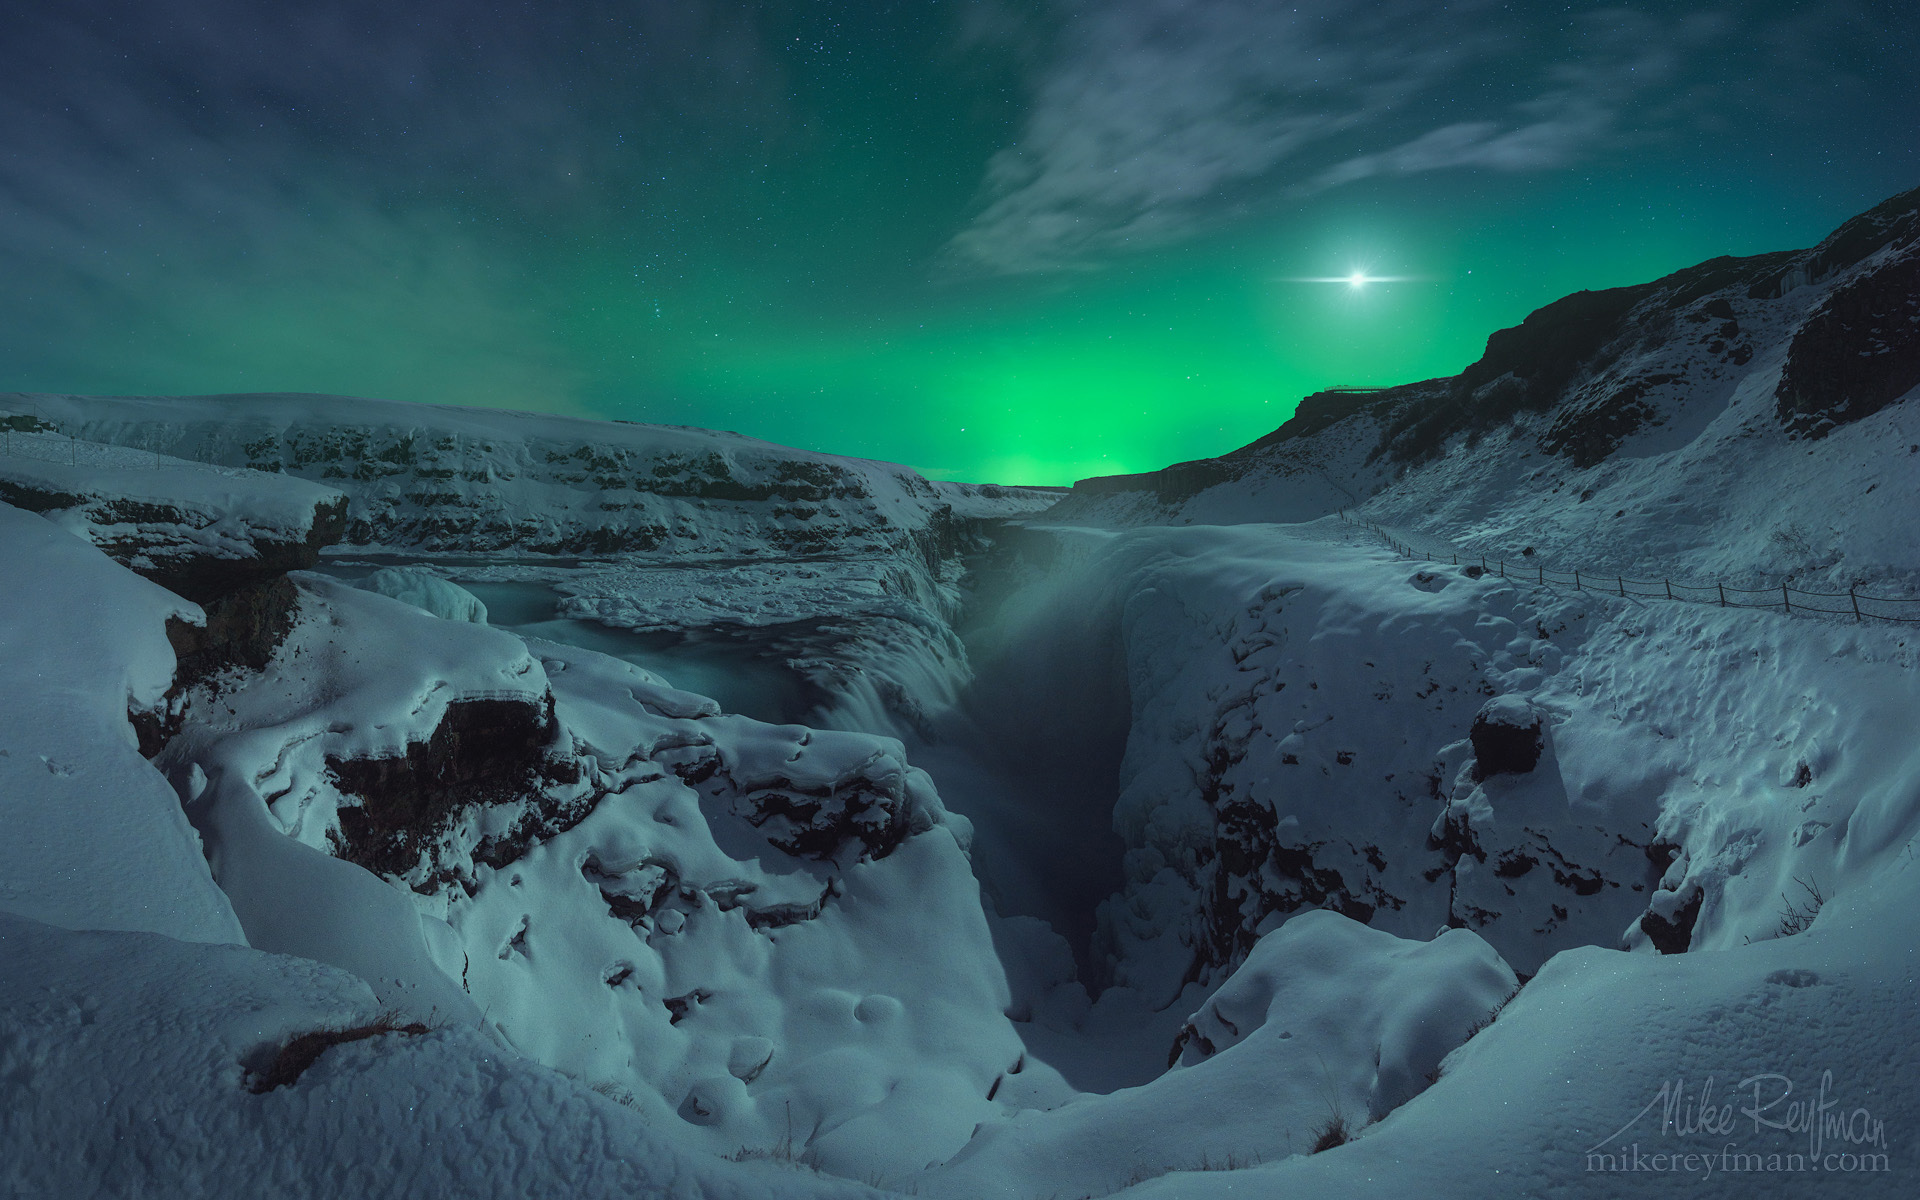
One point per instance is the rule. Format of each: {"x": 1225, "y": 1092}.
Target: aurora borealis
{"x": 1013, "y": 242}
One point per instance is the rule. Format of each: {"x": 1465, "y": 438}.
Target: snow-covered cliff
{"x": 474, "y": 481}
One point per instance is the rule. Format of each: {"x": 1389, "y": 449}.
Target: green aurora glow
{"x": 774, "y": 254}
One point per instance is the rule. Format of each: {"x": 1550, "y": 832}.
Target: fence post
{"x": 1786, "y": 602}
{"x": 1503, "y": 568}
{"x": 1669, "y": 584}
{"x": 1483, "y": 564}
{"x": 1543, "y": 576}
{"x": 1576, "y": 579}
{"x": 1456, "y": 558}
{"x": 1622, "y": 581}
{"x": 1855, "y": 597}
{"x": 1723, "y": 594}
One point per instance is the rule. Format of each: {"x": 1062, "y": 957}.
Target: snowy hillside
{"x": 1746, "y": 421}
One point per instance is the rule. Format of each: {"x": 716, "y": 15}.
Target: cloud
{"x": 1158, "y": 117}
{"x": 200, "y": 190}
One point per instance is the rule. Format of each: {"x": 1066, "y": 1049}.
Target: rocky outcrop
{"x": 223, "y": 539}
{"x": 482, "y": 754}
{"x": 1673, "y": 934}
{"x": 1506, "y": 738}
{"x": 1858, "y": 353}
{"x": 199, "y": 532}
{"x": 859, "y": 812}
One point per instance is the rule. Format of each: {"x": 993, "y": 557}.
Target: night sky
{"x": 1017, "y": 242}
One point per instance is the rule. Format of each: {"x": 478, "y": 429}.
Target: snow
{"x": 1326, "y": 1019}
{"x": 1571, "y": 1066}
{"x": 220, "y": 505}
{"x": 427, "y": 591}
{"x": 123, "y": 1061}
{"x": 94, "y": 837}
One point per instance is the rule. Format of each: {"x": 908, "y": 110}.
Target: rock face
{"x": 1506, "y": 738}
{"x": 224, "y": 539}
{"x": 482, "y": 753}
{"x": 1858, "y": 352}
{"x": 1672, "y": 933}
{"x": 200, "y": 532}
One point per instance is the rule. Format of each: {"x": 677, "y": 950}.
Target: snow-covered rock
{"x": 427, "y": 477}
{"x": 1303, "y": 805}
{"x": 200, "y": 531}
{"x": 1328, "y": 1026}
{"x": 632, "y": 888}
{"x": 425, "y": 590}
{"x": 1777, "y": 1068}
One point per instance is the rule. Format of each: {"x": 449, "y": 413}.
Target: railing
{"x": 1850, "y": 603}
{"x": 46, "y": 446}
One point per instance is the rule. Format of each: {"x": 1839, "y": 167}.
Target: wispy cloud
{"x": 1158, "y": 117}
{"x": 210, "y": 191}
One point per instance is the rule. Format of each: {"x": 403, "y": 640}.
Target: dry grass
{"x": 1333, "y": 1133}
{"x": 292, "y": 1059}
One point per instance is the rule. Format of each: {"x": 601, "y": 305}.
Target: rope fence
{"x": 1789, "y": 599}
{"x": 44, "y": 446}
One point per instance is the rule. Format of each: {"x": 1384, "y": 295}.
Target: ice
{"x": 425, "y": 590}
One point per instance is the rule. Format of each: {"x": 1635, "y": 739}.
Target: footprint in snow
{"x": 1794, "y": 978}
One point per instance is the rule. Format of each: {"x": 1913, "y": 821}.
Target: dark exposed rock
{"x": 203, "y": 578}
{"x": 1588, "y": 433}
{"x": 821, "y": 823}
{"x": 1661, "y": 854}
{"x": 1189, "y": 1036}
{"x": 1675, "y": 935}
{"x": 244, "y": 627}
{"x": 1857, "y": 353}
{"x": 778, "y": 916}
{"x": 1514, "y": 864}
{"x": 680, "y": 1007}
{"x": 1453, "y": 838}
{"x": 483, "y": 752}
{"x": 633, "y": 895}
{"x": 1506, "y": 737}
{"x": 1251, "y": 873}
